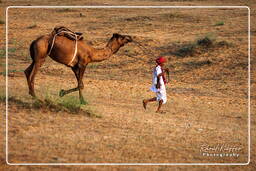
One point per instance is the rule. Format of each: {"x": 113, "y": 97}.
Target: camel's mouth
{"x": 129, "y": 38}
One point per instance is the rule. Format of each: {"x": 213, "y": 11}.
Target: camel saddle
{"x": 63, "y": 31}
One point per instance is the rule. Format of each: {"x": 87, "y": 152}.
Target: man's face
{"x": 161, "y": 64}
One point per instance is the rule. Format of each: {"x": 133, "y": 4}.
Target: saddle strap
{"x": 53, "y": 40}
{"x": 74, "y": 56}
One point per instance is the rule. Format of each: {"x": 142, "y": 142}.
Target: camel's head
{"x": 117, "y": 41}
{"x": 121, "y": 39}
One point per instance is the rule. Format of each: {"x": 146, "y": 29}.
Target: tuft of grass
{"x": 71, "y": 103}
{"x": 12, "y": 50}
{"x": 220, "y": 23}
{"x": 93, "y": 66}
{"x": 171, "y": 15}
{"x": 223, "y": 44}
{"x": 138, "y": 18}
{"x": 190, "y": 49}
{"x": 2, "y": 98}
{"x": 2, "y": 53}
{"x": 2, "y": 21}
{"x": 65, "y": 10}
{"x": 205, "y": 41}
{"x": 10, "y": 72}
{"x": 186, "y": 50}
{"x": 32, "y": 26}
{"x": 197, "y": 64}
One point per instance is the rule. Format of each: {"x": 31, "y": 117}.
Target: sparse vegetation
{"x": 185, "y": 50}
{"x": 10, "y": 72}
{"x": 69, "y": 105}
{"x": 205, "y": 42}
{"x": 139, "y": 18}
{"x": 197, "y": 64}
{"x": 32, "y": 26}
{"x": 2, "y": 98}
{"x": 65, "y": 10}
{"x": 201, "y": 45}
{"x": 220, "y": 23}
{"x": 12, "y": 50}
{"x": 93, "y": 66}
{"x": 2, "y": 21}
{"x": 2, "y": 53}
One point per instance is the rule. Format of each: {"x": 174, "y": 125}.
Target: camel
{"x": 62, "y": 50}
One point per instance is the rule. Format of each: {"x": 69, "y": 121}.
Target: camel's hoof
{"x": 32, "y": 94}
{"x": 62, "y": 93}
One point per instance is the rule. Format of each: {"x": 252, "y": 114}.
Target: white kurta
{"x": 161, "y": 92}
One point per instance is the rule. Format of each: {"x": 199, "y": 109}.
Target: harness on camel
{"x": 63, "y": 31}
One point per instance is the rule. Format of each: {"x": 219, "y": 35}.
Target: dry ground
{"x": 207, "y": 97}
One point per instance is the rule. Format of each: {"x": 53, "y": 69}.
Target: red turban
{"x": 160, "y": 60}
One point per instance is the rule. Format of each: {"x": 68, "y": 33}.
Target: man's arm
{"x": 158, "y": 85}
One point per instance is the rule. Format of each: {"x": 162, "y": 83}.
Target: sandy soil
{"x": 207, "y": 96}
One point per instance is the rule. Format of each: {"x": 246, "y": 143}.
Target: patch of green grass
{"x": 10, "y": 71}
{"x": 70, "y": 105}
{"x": 93, "y": 66}
{"x": 4, "y": 64}
{"x": 12, "y": 50}
{"x": 2, "y": 98}
{"x": 220, "y": 23}
{"x": 2, "y": 53}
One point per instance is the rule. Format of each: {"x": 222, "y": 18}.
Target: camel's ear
{"x": 116, "y": 35}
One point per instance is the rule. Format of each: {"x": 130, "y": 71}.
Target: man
{"x": 158, "y": 84}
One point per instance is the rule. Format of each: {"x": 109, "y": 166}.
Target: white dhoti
{"x": 161, "y": 92}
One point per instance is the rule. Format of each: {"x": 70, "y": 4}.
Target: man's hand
{"x": 168, "y": 74}
{"x": 158, "y": 85}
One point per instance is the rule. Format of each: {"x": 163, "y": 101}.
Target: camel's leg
{"x": 28, "y": 73}
{"x": 35, "y": 69}
{"x": 81, "y": 85}
{"x": 79, "y": 72}
{"x": 38, "y": 55}
{"x": 62, "y": 93}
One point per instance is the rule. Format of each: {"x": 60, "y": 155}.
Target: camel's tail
{"x": 32, "y": 51}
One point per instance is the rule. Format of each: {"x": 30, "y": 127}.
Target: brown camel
{"x": 63, "y": 50}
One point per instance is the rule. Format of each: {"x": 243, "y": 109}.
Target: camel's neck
{"x": 101, "y": 54}
{"x": 105, "y": 53}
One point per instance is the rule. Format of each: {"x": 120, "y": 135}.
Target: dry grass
{"x": 207, "y": 96}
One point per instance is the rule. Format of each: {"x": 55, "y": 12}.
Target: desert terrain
{"x": 207, "y": 52}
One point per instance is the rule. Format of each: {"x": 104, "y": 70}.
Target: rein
{"x": 143, "y": 48}
{"x": 149, "y": 52}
